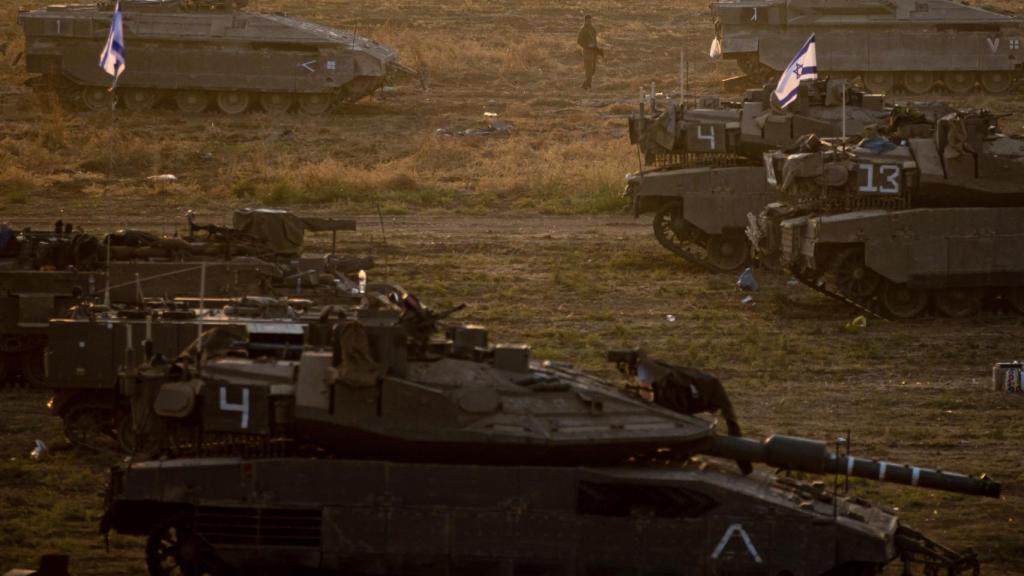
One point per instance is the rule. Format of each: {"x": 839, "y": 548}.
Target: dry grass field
{"x": 530, "y": 231}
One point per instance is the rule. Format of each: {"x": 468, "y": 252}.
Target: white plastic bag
{"x": 716, "y": 49}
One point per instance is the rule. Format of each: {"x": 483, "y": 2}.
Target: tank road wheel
{"x": 140, "y": 99}
{"x": 96, "y": 99}
{"x": 89, "y": 426}
{"x": 903, "y": 302}
{"x": 173, "y": 549}
{"x": 959, "y": 81}
{"x": 276, "y": 102}
{"x": 918, "y": 82}
{"x": 233, "y": 103}
{"x": 192, "y": 101}
{"x": 852, "y": 276}
{"x": 878, "y": 82}
{"x": 958, "y": 302}
{"x": 33, "y": 367}
{"x": 314, "y": 104}
{"x": 996, "y": 81}
{"x": 728, "y": 253}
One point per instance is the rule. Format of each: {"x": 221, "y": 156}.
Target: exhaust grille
{"x": 259, "y": 526}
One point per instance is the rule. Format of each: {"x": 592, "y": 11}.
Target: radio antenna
{"x": 383, "y": 236}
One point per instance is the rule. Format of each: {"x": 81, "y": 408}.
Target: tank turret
{"x": 711, "y": 132}
{"x": 396, "y": 387}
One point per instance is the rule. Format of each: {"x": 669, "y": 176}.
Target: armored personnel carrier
{"x": 44, "y": 273}
{"x": 452, "y": 455}
{"x": 897, "y": 229}
{"x": 703, "y": 164}
{"x": 910, "y": 44}
{"x": 198, "y": 53}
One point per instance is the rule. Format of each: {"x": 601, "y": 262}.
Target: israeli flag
{"x": 803, "y": 67}
{"x": 112, "y": 59}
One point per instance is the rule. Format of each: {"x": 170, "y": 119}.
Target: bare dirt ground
{"x": 529, "y": 231}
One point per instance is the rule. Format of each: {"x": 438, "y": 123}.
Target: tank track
{"x": 819, "y": 285}
{"x": 192, "y": 102}
{"x": 686, "y": 252}
{"x": 934, "y": 558}
{"x": 874, "y": 308}
{"x": 695, "y": 246}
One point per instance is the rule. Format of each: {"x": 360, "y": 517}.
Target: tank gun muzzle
{"x": 812, "y": 456}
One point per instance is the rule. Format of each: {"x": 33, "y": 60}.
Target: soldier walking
{"x": 587, "y": 39}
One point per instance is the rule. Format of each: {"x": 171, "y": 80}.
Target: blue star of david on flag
{"x": 804, "y": 66}
{"x": 112, "y": 58}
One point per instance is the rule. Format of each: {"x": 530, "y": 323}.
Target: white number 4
{"x": 709, "y": 137}
{"x": 889, "y": 174}
{"x": 229, "y": 407}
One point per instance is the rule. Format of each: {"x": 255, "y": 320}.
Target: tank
{"x": 43, "y": 273}
{"x": 202, "y": 53}
{"x": 899, "y": 229}
{"x": 453, "y": 455}
{"x": 703, "y": 169}
{"x": 911, "y": 45}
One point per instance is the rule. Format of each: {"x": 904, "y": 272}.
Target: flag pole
{"x": 844, "y": 114}
{"x": 682, "y": 78}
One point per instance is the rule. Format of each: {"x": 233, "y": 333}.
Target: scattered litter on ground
{"x": 670, "y": 317}
{"x": 792, "y": 283}
{"x": 163, "y": 178}
{"x": 40, "y": 451}
{"x": 494, "y": 129}
{"x": 858, "y": 323}
{"x": 747, "y": 282}
{"x": 748, "y": 300}
{"x": 285, "y": 135}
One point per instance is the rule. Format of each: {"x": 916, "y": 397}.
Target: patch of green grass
{"x": 558, "y": 197}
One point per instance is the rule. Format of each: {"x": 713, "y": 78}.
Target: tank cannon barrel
{"x": 815, "y": 457}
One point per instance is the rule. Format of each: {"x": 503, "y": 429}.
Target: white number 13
{"x": 888, "y": 173}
